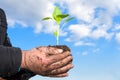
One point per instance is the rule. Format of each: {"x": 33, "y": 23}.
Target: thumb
{"x": 53, "y": 50}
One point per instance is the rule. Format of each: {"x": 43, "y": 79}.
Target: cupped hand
{"x": 47, "y": 61}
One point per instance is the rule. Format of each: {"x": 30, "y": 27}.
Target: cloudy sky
{"x": 93, "y": 35}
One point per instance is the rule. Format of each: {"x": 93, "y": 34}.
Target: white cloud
{"x": 81, "y": 43}
{"x": 97, "y": 14}
{"x": 117, "y": 27}
{"x": 28, "y": 12}
{"x": 101, "y": 32}
{"x": 95, "y": 17}
{"x": 11, "y": 22}
{"x": 78, "y": 32}
{"x": 38, "y": 28}
{"x": 79, "y": 9}
{"x": 118, "y": 37}
{"x": 63, "y": 33}
{"x": 96, "y": 50}
{"x": 85, "y": 53}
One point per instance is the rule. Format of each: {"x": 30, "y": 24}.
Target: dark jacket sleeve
{"x": 10, "y": 57}
{"x": 10, "y": 60}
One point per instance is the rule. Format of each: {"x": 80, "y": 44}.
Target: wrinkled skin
{"x": 48, "y": 61}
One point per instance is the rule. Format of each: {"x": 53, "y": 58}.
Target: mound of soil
{"x": 64, "y": 47}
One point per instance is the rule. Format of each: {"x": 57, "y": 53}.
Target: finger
{"x": 59, "y": 75}
{"x": 61, "y": 63}
{"x": 58, "y": 57}
{"x": 61, "y": 70}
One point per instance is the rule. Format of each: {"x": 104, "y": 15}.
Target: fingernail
{"x": 60, "y": 50}
{"x": 66, "y": 74}
{"x": 72, "y": 66}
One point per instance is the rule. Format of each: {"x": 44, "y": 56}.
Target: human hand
{"x": 47, "y": 61}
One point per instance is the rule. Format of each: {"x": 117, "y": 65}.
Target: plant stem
{"x": 58, "y": 30}
{"x": 57, "y": 41}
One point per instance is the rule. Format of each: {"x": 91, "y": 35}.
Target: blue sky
{"x": 93, "y": 36}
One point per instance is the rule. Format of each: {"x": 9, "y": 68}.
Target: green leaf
{"x": 69, "y": 19}
{"x": 56, "y": 12}
{"x": 56, "y": 33}
{"x": 46, "y": 18}
{"x": 63, "y": 15}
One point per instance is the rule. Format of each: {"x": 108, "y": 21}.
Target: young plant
{"x": 60, "y": 19}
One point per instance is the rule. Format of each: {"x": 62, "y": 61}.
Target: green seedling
{"x": 59, "y": 18}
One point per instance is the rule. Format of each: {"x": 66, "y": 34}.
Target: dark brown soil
{"x": 64, "y": 47}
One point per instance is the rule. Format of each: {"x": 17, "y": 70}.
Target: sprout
{"x": 58, "y": 17}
